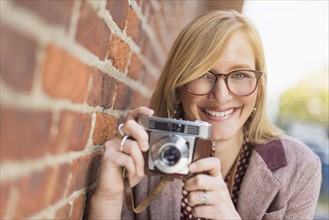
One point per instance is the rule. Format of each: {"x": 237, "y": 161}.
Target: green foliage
{"x": 308, "y": 101}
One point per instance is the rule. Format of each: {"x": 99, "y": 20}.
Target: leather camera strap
{"x": 149, "y": 199}
{"x": 130, "y": 197}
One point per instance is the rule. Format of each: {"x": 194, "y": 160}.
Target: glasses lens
{"x": 242, "y": 82}
{"x": 202, "y": 85}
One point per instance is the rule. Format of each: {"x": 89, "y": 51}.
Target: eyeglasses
{"x": 238, "y": 82}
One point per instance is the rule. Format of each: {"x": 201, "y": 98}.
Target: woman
{"x": 216, "y": 73}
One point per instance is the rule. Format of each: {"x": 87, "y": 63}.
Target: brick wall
{"x": 70, "y": 70}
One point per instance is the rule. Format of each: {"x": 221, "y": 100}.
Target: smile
{"x": 219, "y": 114}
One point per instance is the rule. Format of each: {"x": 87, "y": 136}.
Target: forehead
{"x": 237, "y": 54}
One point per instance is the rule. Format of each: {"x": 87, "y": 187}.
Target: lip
{"x": 219, "y": 114}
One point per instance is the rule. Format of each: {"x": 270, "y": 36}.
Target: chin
{"x": 222, "y": 136}
{"x": 225, "y": 134}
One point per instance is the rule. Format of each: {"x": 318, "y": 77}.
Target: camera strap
{"x": 130, "y": 197}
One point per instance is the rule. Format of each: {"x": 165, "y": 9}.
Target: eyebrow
{"x": 236, "y": 67}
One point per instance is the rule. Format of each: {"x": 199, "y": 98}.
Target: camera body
{"x": 174, "y": 144}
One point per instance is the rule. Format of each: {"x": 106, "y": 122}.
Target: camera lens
{"x": 170, "y": 155}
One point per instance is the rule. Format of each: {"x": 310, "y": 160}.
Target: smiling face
{"x": 226, "y": 112}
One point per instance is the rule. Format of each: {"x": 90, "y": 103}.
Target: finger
{"x": 131, "y": 148}
{"x": 133, "y": 114}
{"x": 137, "y": 132}
{"x": 116, "y": 159}
{"x": 203, "y": 211}
{"x": 211, "y": 165}
{"x": 204, "y": 182}
{"x": 194, "y": 198}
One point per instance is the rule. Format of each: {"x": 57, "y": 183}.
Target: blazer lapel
{"x": 168, "y": 203}
{"x": 258, "y": 189}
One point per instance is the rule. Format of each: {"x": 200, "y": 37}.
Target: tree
{"x": 308, "y": 101}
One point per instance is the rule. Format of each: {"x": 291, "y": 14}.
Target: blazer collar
{"x": 257, "y": 191}
{"x": 260, "y": 185}
{"x": 272, "y": 153}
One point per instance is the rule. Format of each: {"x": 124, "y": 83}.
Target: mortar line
{"x": 11, "y": 202}
{"x": 149, "y": 31}
{"x": 49, "y": 213}
{"x": 155, "y": 5}
{"x": 13, "y": 170}
{"x": 74, "y": 20}
{"x": 105, "y": 14}
{"x": 12, "y": 98}
{"x": 45, "y": 34}
{"x": 163, "y": 27}
{"x": 37, "y": 76}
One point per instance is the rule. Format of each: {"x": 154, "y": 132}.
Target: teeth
{"x": 219, "y": 114}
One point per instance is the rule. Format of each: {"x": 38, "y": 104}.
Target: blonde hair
{"x": 196, "y": 50}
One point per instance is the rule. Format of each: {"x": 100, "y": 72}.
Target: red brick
{"x": 84, "y": 170}
{"x": 133, "y": 25}
{"x": 18, "y": 58}
{"x": 65, "y": 76}
{"x": 139, "y": 2}
{"x": 146, "y": 47}
{"x": 103, "y": 88}
{"x": 136, "y": 68}
{"x": 139, "y": 100}
{"x": 25, "y": 134}
{"x": 92, "y": 31}
{"x": 118, "y": 11}
{"x": 73, "y": 132}
{"x": 118, "y": 53}
{"x": 4, "y": 196}
{"x": 105, "y": 128}
{"x": 87, "y": 204}
{"x": 150, "y": 54}
{"x": 63, "y": 212}
{"x": 155, "y": 26}
{"x": 150, "y": 81}
{"x": 145, "y": 7}
{"x": 55, "y": 188}
{"x": 40, "y": 190}
{"x": 54, "y": 12}
{"x": 78, "y": 207}
{"x": 123, "y": 97}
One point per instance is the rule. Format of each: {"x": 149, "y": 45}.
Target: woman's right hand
{"x": 110, "y": 186}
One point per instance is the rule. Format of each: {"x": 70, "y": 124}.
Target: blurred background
{"x": 70, "y": 70}
{"x": 295, "y": 38}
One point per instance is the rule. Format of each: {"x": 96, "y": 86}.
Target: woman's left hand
{"x": 208, "y": 180}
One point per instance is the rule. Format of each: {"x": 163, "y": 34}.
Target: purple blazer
{"x": 282, "y": 181}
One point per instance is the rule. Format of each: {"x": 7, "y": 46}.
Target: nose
{"x": 220, "y": 92}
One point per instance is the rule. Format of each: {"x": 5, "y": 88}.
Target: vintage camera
{"x": 174, "y": 144}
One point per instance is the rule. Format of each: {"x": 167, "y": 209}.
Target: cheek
{"x": 189, "y": 107}
{"x": 189, "y": 104}
{"x": 250, "y": 103}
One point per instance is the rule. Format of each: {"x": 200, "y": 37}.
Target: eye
{"x": 207, "y": 75}
{"x": 239, "y": 75}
